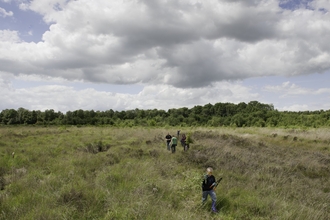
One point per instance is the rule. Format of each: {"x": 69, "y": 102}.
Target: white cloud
{"x": 320, "y": 4}
{"x": 4, "y": 13}
{"x": 295, "y": 108}
{"x": 63, "y": 96}
{"x": 196, "y": 43}
{"x": 322, "y": 91}
{"x": 24, "y": 6}
{"x": 289, "y": 89}
{"x": 188, "y": 47}
{"x": 7, "y": 37}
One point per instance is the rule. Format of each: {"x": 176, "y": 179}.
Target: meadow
{"x": 127, "y": 173}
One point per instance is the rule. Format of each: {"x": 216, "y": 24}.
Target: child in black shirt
{"x": 208, "y": 187}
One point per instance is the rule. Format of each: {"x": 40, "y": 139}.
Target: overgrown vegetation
{"x": 127, "y": 173}
{"x": 253, "y": 114}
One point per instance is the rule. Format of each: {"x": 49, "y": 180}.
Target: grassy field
{"x": 127, "y": 173}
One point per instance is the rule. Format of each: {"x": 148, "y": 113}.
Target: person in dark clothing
{"x": 183, "y": 141}
{"x": 168, "y": 138}
{"x": 208, "y": 186}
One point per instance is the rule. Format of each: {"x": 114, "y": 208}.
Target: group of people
{"x": 172, "y": 142}
{"x": 209, "y": 183}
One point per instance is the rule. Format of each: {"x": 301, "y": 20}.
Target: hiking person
{"x": 168, "y": 138}
{"x": 174, "y": 142}
{"x": 183, "y": 141}
{"x": 208, "y": 187}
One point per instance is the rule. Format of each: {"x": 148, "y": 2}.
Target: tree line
{"x": 252, "y": 114}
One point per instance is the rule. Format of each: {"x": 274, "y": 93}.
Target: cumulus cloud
{"x": 8, "y": 37}
{"x": 185, "y": 44}
{"x": 197, "y": 50}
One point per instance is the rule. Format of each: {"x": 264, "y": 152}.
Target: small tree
{"x": 189, "y": 140}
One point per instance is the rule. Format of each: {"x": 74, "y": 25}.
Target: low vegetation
{"x": 127, "y": 173}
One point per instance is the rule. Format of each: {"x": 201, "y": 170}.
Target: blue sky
{"x": 68, "y": 55}
{"x": 30, "y": 24}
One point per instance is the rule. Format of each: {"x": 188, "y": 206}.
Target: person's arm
{"x": 216, "y": 183}
{"x": 212, "y": 181}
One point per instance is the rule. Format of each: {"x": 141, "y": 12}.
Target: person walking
{"x": 183, "y": 141}
{"x": 174, "y": 142}
{"x": 168, "y": 138}
{"x": 208, "y": 187}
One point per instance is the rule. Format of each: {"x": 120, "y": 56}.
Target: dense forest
{"x": 253, "y": 114}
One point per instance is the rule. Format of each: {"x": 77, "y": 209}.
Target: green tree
{"x": 22, "y": 115}
{"x": 10, "y": 116}
{"x": 239, "y": 120}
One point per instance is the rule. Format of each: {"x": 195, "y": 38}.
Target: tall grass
{"x": 127, "y": 173}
